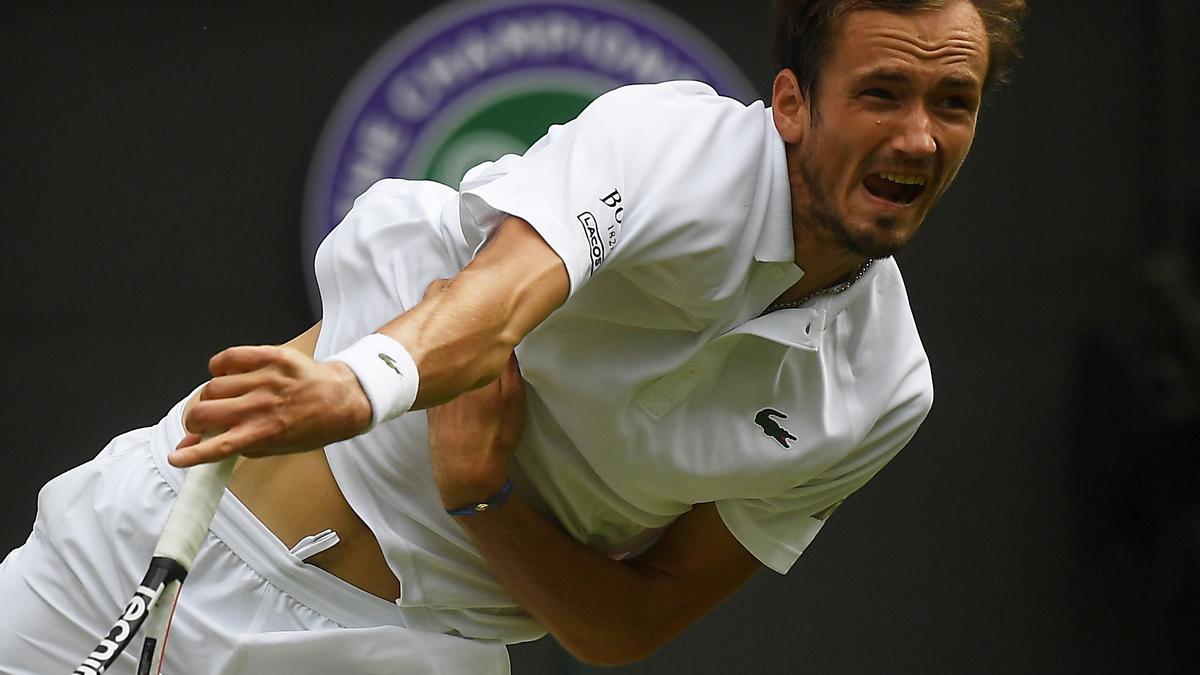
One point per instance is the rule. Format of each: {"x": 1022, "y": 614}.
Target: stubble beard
{"x": 825, "y": 220}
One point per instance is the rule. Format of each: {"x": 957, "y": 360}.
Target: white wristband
{"x": 386, "y": 372}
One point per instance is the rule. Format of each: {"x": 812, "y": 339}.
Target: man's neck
{"x": 825, "y": 263}
{"x": 825, "y": 260}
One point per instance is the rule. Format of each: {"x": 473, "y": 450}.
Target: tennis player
{"x": 715, "y": 349}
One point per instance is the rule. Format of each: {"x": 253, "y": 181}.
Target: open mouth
{"x": 897, "y": 188}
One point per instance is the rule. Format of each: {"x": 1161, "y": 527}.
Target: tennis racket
{"x": 153, "y": 602}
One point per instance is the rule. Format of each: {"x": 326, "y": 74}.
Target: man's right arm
{"x": 463, "y": 332}
{"x": 267, "y": 400}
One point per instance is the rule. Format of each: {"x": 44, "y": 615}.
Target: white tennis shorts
{"x": 249, "y": 605}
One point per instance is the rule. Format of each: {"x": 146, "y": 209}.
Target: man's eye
{"x": 878, "y": 93}
{"x": 959, "y": 103}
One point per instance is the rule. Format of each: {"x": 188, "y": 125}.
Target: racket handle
{"x": 202, "y": 488}
{"x": 156, "y": 628}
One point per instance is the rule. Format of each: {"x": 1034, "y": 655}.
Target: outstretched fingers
{"x": 232, "y": 425}
{"x": 211, "y": 415}
{"x": 239, "y": 384}
{"x": 244, "y": 359}
{"x": 195, "y": 449}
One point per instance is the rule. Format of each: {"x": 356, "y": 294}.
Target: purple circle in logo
{"x": 475, "y": 80}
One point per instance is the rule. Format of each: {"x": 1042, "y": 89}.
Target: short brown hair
{"x": 804, "y": 30}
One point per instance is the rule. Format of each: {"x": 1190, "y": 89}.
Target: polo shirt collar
{"x": 776, "y": 243}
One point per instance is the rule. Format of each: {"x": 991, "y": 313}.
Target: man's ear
{"x": 789, "y": 107}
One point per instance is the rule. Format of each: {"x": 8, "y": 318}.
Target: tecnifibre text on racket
{"x": 153, "y": 602}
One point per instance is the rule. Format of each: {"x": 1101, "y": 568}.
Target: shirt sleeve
{"x": 378, "y": 261}
{"x": 777, "y": 530}
{"x": 590, "y": 186}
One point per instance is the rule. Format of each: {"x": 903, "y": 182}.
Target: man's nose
{"x": 915, "y": 136}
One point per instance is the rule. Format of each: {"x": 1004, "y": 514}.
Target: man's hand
{"x": 271, "y": 400}
{"x": 472, "y": 436}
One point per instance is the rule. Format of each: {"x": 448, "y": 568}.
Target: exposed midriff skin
{"x": 295, "y": 496}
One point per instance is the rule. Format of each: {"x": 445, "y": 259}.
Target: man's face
{"x": 893, "y": 118}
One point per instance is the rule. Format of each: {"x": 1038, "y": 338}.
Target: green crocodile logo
{"x": 765, "y": 419}
{"x": 391, "y": 363}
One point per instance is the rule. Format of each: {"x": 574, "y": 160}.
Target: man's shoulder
{"x": 682, "y": 104}
{"x": 883, "y": 308}
{"x": 673, "y": 91}
{"x": 898, "y": 328}
{"x": 687, "y": 137}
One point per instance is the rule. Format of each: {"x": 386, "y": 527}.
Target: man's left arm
{"x": 604, "y": 611}
{"x": 609, "y": 612}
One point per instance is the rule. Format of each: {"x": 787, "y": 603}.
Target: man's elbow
{"x": 488, "y": 365}
{"x": 615, "y": 648}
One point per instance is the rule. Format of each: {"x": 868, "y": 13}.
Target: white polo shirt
{"x": 657, "y": 385}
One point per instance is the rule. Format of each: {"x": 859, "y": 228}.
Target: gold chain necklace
{"x": 830, "y": 290}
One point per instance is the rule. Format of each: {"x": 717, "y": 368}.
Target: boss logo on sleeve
{"x": 602, "y": 239}
{"x": 613, "y": 201}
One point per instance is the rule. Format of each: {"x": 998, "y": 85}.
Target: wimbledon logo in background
{"x": 476, "y": 80}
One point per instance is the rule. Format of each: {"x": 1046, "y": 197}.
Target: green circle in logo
{"x": 508, "y": 124}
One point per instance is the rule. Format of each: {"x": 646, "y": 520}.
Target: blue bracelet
{"x": 489, "y": 503}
